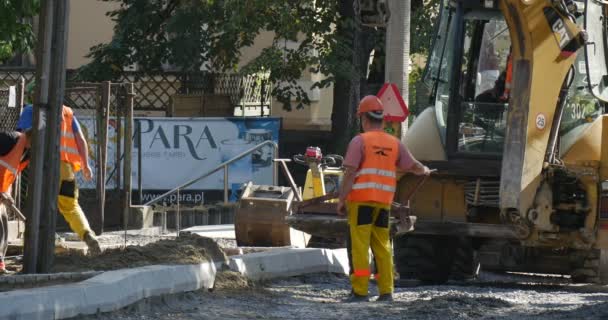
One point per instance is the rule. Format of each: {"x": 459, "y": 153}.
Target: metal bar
{"x": 216, "y": 169}
{"x": 178, "y": 217}
{"x": 225, "y": 183}
{"x": 292, "y": 183}
{"x": 19, "y": 101}
{"x": 119, "y": 156}
{"x": 103, "y": 111}
{"x": 139, "y": 164}
{"x": 127, "y": 180}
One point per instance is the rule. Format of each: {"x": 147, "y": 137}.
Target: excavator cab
{"x": 515, "y": 125}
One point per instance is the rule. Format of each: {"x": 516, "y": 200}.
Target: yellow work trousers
{"x": 67, "y": 201}
{"x": 369, "y": 226}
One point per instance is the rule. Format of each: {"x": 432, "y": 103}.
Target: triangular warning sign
{"x": 395, "y": 109}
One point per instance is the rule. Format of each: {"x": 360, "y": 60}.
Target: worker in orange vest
{"x": 508, "y": 78}
{"x": 73, "y": 158}
{"x": 373, "y": 161}
{"x": 14, "y": 157}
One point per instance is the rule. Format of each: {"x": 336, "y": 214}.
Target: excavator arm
{"x": 545, "y": 43}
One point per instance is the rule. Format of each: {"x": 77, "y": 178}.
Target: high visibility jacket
{"x": 10, "y": 164}
{"x": 68, "y": 147}
{"x": 376, "y": 178}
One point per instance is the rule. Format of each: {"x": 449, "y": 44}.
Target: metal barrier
{"x": 221, "y": 166}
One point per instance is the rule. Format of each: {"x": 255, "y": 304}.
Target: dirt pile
{"x": 230, "y": 280}
{"x": 186, "y": 249}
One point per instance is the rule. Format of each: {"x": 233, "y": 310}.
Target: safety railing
{"x": 225, "y": 166}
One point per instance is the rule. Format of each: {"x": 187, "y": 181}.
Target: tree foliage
{"x": 424, "y": 14}
{"x": 209, "y": 34}
{"x": 16, "y": 34}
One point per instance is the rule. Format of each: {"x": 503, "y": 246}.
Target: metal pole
{"x": 139, "y": 164}
{"x": 275, "y": 172}
{"x": 178, "y": 220}
{"x": 19, "y": 102}
{"x": 225, "y": 183}
{"x": 128, "y": 155}
{"x": 102, "y": 155}
{"x": 34, "y": 199}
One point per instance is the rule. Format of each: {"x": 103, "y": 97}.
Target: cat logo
{"x": 558, "y": 26}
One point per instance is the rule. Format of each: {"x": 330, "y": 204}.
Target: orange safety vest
{"x": 10, "y": 164}
{"x": 376, "y": 179}
{"x": 68, "y": 147}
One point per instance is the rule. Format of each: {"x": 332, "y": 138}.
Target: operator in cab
{"x": 373, "y": 161}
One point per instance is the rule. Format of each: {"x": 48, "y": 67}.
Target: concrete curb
{"x": 113, "y": 290}
{"x": 289, "y": 262}
{"x": 109, "y": 291}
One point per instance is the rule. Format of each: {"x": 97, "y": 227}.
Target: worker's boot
{"x": 387, "y": 297}
{"x": 92, "y": 243}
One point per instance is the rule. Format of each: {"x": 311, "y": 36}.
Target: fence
{"x": 154, "y": 90}
{"x": 103, "y": 105}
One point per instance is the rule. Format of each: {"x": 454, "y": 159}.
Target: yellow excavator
{"x": 515, "y": 127}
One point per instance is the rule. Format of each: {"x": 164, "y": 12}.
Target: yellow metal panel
{"x": 454, "y": 205}
{"x": 589, "y": 145}
{"x": 435, "y": 200}
{"x": 535, "y": 50}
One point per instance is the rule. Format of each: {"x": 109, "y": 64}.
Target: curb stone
{"x": 113, "y": 290}
{"x": 109, "y": 291}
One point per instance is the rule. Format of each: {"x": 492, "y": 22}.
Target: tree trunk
{"x": 347, "y": 88}
{"x": 398, "y": 49}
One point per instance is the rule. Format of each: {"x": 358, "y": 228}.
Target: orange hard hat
{"x": 371, "y": 104}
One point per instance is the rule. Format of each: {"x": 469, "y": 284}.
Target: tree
{"x": 204, "y": 34}
{"x": 16, "y": 34}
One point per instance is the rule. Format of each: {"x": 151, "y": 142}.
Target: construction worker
{"x": 373, "y": 161}
{"x": 13, "y": 159}
{"x": 73, "y": 157}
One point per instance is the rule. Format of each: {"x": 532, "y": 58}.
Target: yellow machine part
{"x": 311, "y": 183}
{"x": 537, "y": 57}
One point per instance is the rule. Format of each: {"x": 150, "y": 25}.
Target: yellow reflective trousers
{"x": 369, "y": 226}
{"x": 67, "y": 201}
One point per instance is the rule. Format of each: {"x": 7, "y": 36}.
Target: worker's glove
{"x": 5, "y": 197}
{"x": 427, "y": 171}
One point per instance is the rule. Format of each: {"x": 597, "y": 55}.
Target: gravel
{"x": 320, "y": 296}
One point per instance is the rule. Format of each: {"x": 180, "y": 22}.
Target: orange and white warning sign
{"x": 395, "y": 109}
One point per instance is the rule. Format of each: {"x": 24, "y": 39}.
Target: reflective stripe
{"x": 379, "y": 172}
{"x": 373, "y": 185}
{"x": 361, "y": 273}
{"x": 69, "y": 150}
{"x": 68, "y": 135}
{"x": 8, "y": 167}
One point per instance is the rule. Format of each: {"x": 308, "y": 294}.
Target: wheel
{"x": 466, "y": 263}
{"x": 423, "y": 258}
{"x": 592, "y": 269}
